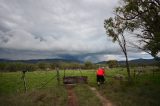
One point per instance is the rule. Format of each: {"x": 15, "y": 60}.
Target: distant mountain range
{"x": 136, "y": 61}
{"x": 42, "y": 60}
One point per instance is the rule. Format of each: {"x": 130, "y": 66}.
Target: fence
{"x": 23, "y": 81}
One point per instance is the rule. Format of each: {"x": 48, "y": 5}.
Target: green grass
{"x": 144, "y": 89}
{"x": 56, "y": 96}
{"x": 124, "y": 94}
{"x": 11, "y": 82}
{"x": 12, "y": 89}
{"x": 86, "y": 96}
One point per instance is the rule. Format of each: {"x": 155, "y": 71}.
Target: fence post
{"x": 58, "y": 76}
{"x": 64, "y": 73}
{"x": 24, "y": 80}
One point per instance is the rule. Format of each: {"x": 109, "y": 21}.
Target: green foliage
{"x": 20, "y": 66}
{"x": 112, "y": 63}
{"x": 88, "y": 65}
{"x": 115, "y": 29}
{"x": 42, "y": 66}
{"x": 15, "y": 66}
{"x": 144, "y": 16}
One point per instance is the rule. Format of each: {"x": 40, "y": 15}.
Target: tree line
{"x": 44, "y": 66}
{"x": 20, "y": 66}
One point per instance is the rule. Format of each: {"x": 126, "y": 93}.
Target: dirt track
{"x": 72, "y": 99}
{"x": 103, "y": 100}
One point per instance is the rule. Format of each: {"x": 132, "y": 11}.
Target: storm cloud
{"x": 31, "y": 29}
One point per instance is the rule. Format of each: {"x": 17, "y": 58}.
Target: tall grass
{"x": 144, "y": 90}
{"x": 86, "y": 97}
{"x": 55, "y": 96}
{"x": 12, "y": 89}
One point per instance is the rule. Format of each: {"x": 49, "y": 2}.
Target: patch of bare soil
{"x": 104, "y": 101}
{"x": 72, "y": 99}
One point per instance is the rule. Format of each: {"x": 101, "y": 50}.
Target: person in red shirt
{"x": 100, "y": 76}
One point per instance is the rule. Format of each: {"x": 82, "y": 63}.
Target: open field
{"x": 43, "y": 89}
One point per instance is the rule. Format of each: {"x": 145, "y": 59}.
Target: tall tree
{"x": 112, "y": 63}
{"x": 143, "y": 16}
{"x": 88, "y": 65}
{"x": 115, "y": 28}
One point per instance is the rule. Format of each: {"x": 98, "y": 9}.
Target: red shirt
{"x": 100, "y": 71}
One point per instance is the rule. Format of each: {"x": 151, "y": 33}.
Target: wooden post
{"x": 58, "y": 76}
{"x": 24, "y": 80}
{"x": 64, "y": 72}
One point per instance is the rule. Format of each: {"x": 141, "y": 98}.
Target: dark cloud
{"x": 57, "y": 29}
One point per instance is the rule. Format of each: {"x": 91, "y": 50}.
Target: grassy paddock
{"x": 41, "y": 97}
{"x": 12, "y": 89}
{"x": 11, "y": 81}
{"x": 144, "y": 90}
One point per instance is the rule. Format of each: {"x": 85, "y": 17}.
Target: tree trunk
{"x": 24, "y": 81}
{"x": 58, "y": 76}
{"x": 157, "y": 59}
{"x": 128, "y": 69}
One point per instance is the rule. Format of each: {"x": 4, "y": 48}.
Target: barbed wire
{"x": 40, "y": 85}
{"x": 43, "y": 85}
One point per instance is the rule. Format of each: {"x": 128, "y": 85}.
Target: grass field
{"x": 43, "y": 89}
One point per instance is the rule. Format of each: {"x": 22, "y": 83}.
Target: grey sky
{"x": 31, "y": 29}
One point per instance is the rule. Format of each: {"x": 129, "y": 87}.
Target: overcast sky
{"x": 70, "y": 29}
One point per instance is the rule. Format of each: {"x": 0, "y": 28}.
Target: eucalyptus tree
{"x": 115, "y": 28}
{"x": 143, "y": 18}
